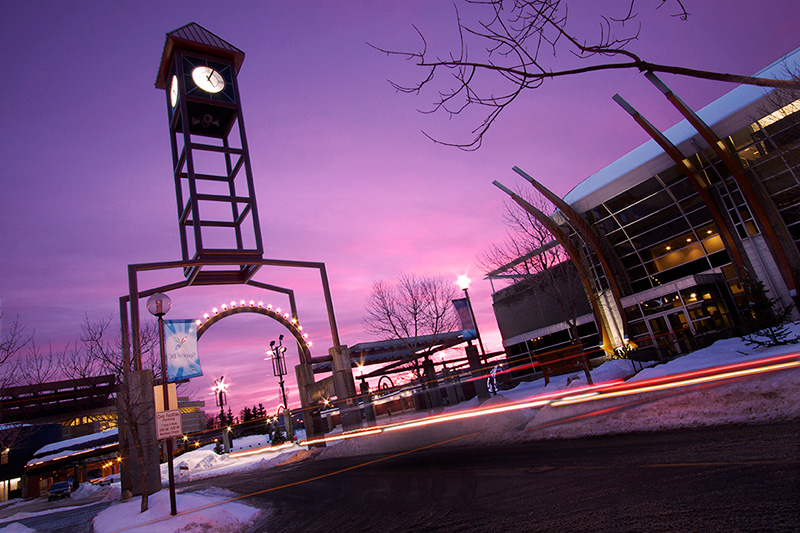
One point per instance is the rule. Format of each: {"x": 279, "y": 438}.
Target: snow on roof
{"x": 717, "y": 111}
{"x": 66, "y": 448}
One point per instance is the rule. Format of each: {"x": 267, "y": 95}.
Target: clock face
{"x": 208, "y": 79}
{"x": 173, "y": 91}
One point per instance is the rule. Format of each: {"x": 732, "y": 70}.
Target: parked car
{"x": 58, "y": 490}
{"x": 102, "y": 481}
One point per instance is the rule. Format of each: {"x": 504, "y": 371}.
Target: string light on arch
{"x": 234, "y": 306}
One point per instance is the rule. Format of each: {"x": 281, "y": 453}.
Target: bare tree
{"x": 509, "y": 51}
{"x": 96, "y": 354}
{"x": 531, "y": 256}
{"x": 12, "y": 342}
{"x": 415, "y": 311}
{"x": 39, "y": 366}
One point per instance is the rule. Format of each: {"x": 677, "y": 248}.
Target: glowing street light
{"x": 463, "y": 283}
{"x": 220, "y": 389}
{"x": 277, "y": 355}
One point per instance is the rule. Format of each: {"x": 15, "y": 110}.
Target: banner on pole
{"x": 183, "y": 362}
{"x": 468, "y": 328}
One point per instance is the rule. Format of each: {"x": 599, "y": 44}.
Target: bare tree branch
{"x": 410, "y": 310}
{"x": 12, "y": 342}
{"x": 547, "y": 270}
{"x": 515, "y": 42}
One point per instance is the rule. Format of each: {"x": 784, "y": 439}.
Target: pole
{"x": 172, "y": 504}
{"x": 283, "y": 393}
{"x": 475, "y": 322}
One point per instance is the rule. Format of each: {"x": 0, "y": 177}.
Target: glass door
{"x": 671, "y": 332}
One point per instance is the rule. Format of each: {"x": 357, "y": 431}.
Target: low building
{"x": 76, "y": 460}
{"x": 22, "y": 442}
{"x": 193, "y": 419}
{"x": 682, "y": 233}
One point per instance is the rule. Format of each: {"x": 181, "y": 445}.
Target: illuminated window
{"x": 4, "y": 457}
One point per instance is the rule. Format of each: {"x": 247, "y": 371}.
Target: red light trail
{"x": 589, "y": 393}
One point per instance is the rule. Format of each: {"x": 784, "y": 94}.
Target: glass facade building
{"x": 680, "y": 287}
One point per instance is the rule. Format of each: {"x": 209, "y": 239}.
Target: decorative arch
{"x": 289, "y": 322}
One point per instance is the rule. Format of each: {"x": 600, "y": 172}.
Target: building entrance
{"x": 672, "y": 333}
{"x": 681, "y": 321}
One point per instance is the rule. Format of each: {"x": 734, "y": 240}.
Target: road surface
{"x": 732, "y": 478}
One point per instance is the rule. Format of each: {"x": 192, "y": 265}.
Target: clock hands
{"x": 208, "y": 79}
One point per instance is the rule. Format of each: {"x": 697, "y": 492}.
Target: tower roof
{"x": 193, "y": 36}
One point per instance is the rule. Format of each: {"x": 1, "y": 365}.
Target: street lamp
{"x": 463, "y": 283}
{"x": 220, "y": 389}
{"x": 278, "y": 363}
{"x": 159, "y": 305}
{"x": 277, "y": 355}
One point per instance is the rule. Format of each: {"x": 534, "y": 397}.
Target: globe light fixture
{"x": 159, "y": 304}
{"x": 276, "y": 352}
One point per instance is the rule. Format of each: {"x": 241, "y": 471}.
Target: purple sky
{"x": 343, "y": 174}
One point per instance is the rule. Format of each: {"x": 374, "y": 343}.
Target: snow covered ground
{"x": 759, "y": 398}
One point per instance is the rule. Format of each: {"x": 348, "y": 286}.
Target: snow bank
{"x": 204, "y": 463}
{"x": 208, "y": 510}
{"x": 16, "y": 528}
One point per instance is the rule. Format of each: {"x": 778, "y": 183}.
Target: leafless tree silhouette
{"x": 516, "y": 48}
{"x": 536, "y": 260}
{"x": 414, "y": 310}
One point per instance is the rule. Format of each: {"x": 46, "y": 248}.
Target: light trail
{"x": 262, "y": 449}
{"x": 342, "y": 436}
{"x": 587, "y": 393}
{"x": 681, "y": 380}
{"x": 534, "y": 401}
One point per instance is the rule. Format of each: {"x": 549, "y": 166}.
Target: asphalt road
{"x": 77, "y": 519}
{"x": 734, "y": 478}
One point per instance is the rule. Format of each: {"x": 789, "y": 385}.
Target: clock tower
{"x": 217, "y": 212}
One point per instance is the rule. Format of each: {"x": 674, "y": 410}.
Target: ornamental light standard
{"x": 277, "y": 354}
{"x": 464, "y": 282}
{"x": 220, "y": 389}
{"x": 475, "y": 362}
{"x": 159, "y": 305}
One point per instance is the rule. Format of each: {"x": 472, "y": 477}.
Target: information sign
{"x": 168, "y": 424}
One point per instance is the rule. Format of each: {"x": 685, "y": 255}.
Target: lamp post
{"x": 159, "y": 305}
{"x": 464, "y": 282}
{"x": 476, "y": 361}
{"x": 220, "y": 389}
{"x": 277, "y": 355}
{"x": 220, "y": 396}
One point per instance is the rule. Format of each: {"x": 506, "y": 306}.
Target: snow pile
{"x": 208, "y": 510}
{"x": 763, "y": 398}
{"x": 204, "y": 463}
{"x": 17, "y": 528}
{"x": 89, "y": 490}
